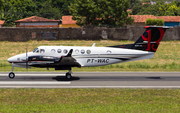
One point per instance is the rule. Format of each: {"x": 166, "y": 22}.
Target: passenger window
{"x": 88, "y": 51}
{"x": 59, "y": 50}
{"x": 77, "y": 51}
{"x": 82, "y": 51}
{"x": 53, "y": 50}
{"x": 42, "y": 50}
{"x": 65, "y": 50}
{"x": 108, "y": 52}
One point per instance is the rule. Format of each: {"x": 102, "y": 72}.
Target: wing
{"x": 59, "y": 63}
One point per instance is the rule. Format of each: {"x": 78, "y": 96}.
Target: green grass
{"x": 167, "y": 57}
{"x": 89, "y": 100}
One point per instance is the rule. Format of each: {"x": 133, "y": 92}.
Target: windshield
{"x": 35, "y": 50}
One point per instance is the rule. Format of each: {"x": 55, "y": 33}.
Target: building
{"x": 154, "y": 2}
{"x": 36, "y": 21}
{"x": 68, "y": 22}
{"x": 170, "y": 20}
{"x": 1, "y": 23}
{"x": 139, "y": 20}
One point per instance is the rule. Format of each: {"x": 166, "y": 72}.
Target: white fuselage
{"x": 85, "y": 56}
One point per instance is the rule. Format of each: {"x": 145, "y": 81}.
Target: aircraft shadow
{"x": 129, "y": 78}
{"x": 63, "y": 78}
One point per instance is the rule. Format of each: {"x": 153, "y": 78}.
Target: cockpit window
{"x": 35, "y": 50}
{"x": 42, "y": 50}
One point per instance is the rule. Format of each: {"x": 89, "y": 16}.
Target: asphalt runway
{"x": 91, "y": 80}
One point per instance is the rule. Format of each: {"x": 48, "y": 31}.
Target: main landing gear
{"x": 68, "y": 75}
{"x": 11, "y": 74}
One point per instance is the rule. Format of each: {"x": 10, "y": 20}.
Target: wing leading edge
{"x": 59, "y": 63}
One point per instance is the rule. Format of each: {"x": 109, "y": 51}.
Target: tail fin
{"x": 149, "y": 40}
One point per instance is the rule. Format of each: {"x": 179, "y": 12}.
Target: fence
{"x": 132, "y": 33}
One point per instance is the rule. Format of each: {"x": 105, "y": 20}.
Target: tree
{"x": 101, "y": 12}
{"x": 48, "y": 11}
{"x": 62, "y": 5}
{"x": 134, "y": 3}
{"x": 12, "y": 10}
{"x": 17, "y": 9}
{"x": 157, "y": 22}
{"x": 173, "y": 10}
{"x": 162, "y": 9}
{"x": 1, "y": 9}
{"x": 148, "y": 9}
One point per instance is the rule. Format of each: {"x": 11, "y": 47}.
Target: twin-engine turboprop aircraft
{"x": 66, "y": 57}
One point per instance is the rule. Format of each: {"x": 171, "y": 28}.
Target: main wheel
{"x": 11, "y": 75}
{"x": 68, "y": 76}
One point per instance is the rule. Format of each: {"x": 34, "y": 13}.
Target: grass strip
{"x": 90, "y": 100}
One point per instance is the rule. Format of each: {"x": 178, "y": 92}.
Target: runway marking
{"x": 35, "y": 74}
{"x": 34, "y": 82}
{"x": 123, "y": 87}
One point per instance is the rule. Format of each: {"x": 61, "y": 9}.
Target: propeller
{"x": 26, "y": 59}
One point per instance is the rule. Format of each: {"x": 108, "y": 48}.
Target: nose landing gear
{"x": 11, "y": 74}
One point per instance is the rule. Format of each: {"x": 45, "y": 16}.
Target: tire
{"x": 11, "y": 75}
{"x": 68, "y": 76}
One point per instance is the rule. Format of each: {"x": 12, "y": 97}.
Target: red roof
{"x": 129, "y": 10}
{"x": 137, "y": 18}
{"x": 36, "y": 19}
{"x": 142, "y": 18}
{"x": 145, "y": 3}
{"x": 68, "y": 20}
{"x": 170, "y": 18}
{"x": 2, "y": 22}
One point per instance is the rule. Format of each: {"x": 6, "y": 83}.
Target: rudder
{"x": 150, "y": 39}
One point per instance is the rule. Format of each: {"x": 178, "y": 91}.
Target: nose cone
{"x": 19, "y": 58}
{"x": 16, "y": 58}
{"x": 10, "y": 60}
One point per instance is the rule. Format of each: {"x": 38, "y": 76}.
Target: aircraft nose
{"x": 11, "y": 59}
{"x": 14, "y": 59}
{"x": 17, "y": 58}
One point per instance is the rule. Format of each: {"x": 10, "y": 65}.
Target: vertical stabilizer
{"x": 150, "y": 39}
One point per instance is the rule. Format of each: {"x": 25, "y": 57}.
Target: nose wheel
{"x": 11, "y": 75}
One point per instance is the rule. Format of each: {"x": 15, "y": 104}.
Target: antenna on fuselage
{"x": 93, "y": 44}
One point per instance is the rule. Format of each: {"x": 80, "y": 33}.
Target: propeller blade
{"x": 26, "y": 59}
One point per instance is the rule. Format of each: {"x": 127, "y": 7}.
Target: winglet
{"x": 93, "y": 44}
{"x": 70, "y": 53}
